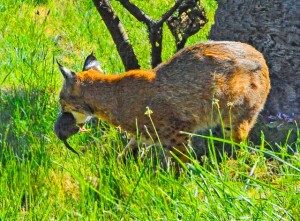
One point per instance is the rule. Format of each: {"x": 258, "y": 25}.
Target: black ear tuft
{"x": 91, "y": 62}
{"x": 68, "y": 74}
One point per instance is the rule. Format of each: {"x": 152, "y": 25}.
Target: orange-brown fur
{"x": 183, "y": 93}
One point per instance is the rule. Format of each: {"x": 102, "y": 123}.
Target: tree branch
{"x": 182, "y": 26}
{"x": 154, "y": 27}
{"x": 167, "y": 14}
{"x": 118, "y": 34}
{"x": 137, "y": 12}
{"x": 189, "y": 20}
{"x": 155, "y": 38}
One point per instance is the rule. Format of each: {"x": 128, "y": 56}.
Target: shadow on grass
{"x": 211, "y": 145}
{"x": 278, "y": 135}
{"x": 25, "y": 121}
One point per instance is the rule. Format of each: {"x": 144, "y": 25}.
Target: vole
{"x": 65, "y": 127}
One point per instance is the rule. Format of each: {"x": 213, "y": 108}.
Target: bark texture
{"x": 154, "y": 27}
{"x": 273, "y": 27}
{"x": 118, "y": 34}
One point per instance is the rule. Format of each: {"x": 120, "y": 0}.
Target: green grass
{"x": 41, "y": 180}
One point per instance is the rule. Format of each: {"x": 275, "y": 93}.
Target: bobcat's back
{"x": 233, "y": 74}
{"x": 199, "y": 61}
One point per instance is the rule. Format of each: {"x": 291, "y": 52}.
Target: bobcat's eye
{"x": 62, "y": 109}
{"x": 64, "y": 106}
{"x": 62, "y": 103}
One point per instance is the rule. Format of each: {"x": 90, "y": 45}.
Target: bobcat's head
{"x": 70, "y": 97}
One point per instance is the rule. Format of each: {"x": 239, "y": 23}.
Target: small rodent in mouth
{"x": 65, "y": 127}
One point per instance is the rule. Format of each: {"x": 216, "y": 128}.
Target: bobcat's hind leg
{"x": 242, "y": 125}
{"x": 241, "y": 130}
{"x": 235, "y": 127}
{"x": 238, "y": 133}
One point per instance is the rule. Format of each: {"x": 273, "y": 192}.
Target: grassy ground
{"x": 41, "y": 180}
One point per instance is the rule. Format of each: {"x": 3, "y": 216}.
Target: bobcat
{"x": 200, "y": 86}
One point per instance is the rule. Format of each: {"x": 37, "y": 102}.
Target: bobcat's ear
{"x": 91, "y": 62}
{"x": 68, "y": 74}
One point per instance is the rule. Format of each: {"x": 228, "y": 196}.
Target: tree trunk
{"x": 273, "y": 27}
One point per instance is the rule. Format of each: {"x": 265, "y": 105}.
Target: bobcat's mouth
{"x": 81, "y": 118}
{"x": 82, "y": 113}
